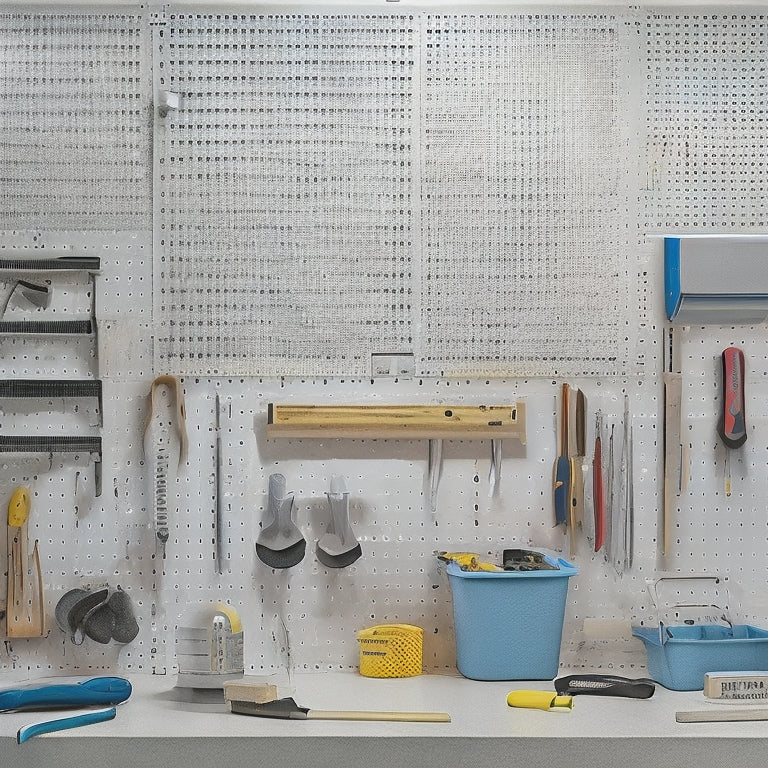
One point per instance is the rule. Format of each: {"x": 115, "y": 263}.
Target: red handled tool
{"x": 733, "y": 426}
{"x": 598, "y": 497}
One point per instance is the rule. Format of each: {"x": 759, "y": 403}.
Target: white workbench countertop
{"x": 161, "y": 725}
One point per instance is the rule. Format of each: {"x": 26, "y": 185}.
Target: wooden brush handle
{"x": 401, "y": 717}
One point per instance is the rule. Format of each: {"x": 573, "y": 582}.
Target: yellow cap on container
{"x": 539, "y": 700}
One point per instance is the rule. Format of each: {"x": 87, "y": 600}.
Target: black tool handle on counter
{"x": 605, "y": 685}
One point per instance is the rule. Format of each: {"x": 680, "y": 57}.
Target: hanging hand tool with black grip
{"x": 605, "y": 685}
{"x": 732, "y": 426}
{"x": 562, "y": 474}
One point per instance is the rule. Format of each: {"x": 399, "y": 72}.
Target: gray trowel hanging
{"x": 27, "y": 297}
{"x": 280, "y": 544}
{"x": 339, "y": 547}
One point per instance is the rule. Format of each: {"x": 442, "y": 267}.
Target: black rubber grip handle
{"x": 605, "y": 685}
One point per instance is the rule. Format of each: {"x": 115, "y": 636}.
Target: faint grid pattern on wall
{"x": 525, "y": 259}
{"x": 75, "y": 130}
{"x": 706, "y": 121}
{"x": 338, "y": 185}
{"x": 286, "y": 190}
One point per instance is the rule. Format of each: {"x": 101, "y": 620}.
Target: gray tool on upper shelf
{"x": 27, "y": 297}
{"x": 280, "y": 543}
{"x": 339, "y": 547}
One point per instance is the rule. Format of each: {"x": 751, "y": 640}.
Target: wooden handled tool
{"x": 288, "y": 709}
{"x": 577, "y": 451}
{"x": 25, "y": 609}
{"x": 18, "y": 514}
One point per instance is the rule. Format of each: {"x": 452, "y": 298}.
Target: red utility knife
{"x": 733, "y": 426}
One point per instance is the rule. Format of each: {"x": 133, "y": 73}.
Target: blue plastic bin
{"x": 689, "y": 652}
{"x": 509, "y": 624}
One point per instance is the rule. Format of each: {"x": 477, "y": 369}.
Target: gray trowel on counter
{"x": 339, "y": 547}
{"x": 280, "y": 544}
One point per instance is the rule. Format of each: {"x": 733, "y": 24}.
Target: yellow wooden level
{"x": 460, "y": 422}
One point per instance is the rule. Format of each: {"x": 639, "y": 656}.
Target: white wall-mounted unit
{"x": 716, "y": 279}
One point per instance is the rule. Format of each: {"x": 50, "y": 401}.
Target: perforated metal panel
{"x": 526, "y": 262}
{"x": 449, "y": 186}
{"x": 75, "y": 104}
{"x": 87, "y": 540}
{"x": 286, "y": 174}
{"x": 705, "y": 111}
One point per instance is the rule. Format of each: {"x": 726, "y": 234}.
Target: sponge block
{"x": 245, "y": 690}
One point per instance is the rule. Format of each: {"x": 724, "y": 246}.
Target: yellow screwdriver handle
{"x": 18, "y": 507}
{"x": 539, "y": 700}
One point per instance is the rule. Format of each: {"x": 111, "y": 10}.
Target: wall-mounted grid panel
{"x": 86, "y": 540}
{"x": 706, "y": 120}
{"x": 285, "y": 193}
{"x": 333, "y": 186}
{"x": 75, "y": 114}
{"x": 526, "y": 264}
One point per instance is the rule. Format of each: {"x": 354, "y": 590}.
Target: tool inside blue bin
{"x": 508, "y": 624}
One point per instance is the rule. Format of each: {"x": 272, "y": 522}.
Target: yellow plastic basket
{"x": 391, "y": 650}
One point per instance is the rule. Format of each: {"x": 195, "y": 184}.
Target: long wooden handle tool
{"x": 575, "y": 438}
{"x": 579, "y": 451}
{"x": 288, "y": 709}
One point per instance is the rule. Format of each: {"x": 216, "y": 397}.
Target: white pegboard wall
{"x": 705, "y": 110}
{"x": 311, "y": 211}
{"x": 86, "y": 540}
{"x": 522, "y": 162}
{"x": 389, "y": 149}
{"x": 75, "y": 149}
